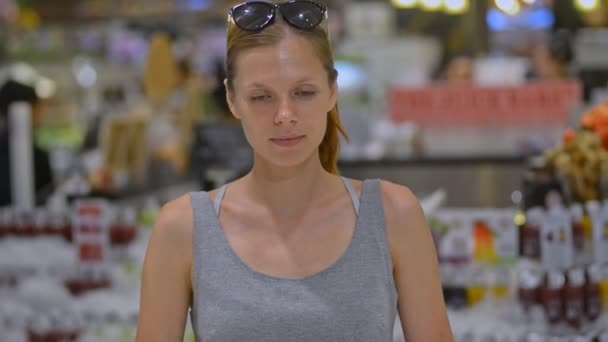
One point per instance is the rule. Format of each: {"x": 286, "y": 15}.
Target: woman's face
{"x": 282, "y": 96}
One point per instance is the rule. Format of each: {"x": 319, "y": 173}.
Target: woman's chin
{"x": 290, "y": 160}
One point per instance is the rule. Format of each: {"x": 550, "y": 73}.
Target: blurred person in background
{"x": 551, "y": 60}
{"x": 291, "y": 251}
{"x": 460, "y": 71}
{"x": 14, "y": 92}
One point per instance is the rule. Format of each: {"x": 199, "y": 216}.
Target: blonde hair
{"x": 240, "y": 40}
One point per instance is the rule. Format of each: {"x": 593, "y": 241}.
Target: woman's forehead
{"x": 290, "y": 59}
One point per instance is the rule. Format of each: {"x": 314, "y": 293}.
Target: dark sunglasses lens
{"x": 303, "y": 14}
{"x": 252, "y": 16}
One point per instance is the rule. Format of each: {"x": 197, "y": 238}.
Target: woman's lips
{"x": 288, "y": 142}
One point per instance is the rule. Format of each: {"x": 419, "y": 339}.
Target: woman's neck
{"x": 288, "y": 192}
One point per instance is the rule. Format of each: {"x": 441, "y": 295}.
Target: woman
{"x": 291, "y": 251}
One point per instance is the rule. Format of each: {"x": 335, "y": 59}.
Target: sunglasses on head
{"x": 255, "y": 16}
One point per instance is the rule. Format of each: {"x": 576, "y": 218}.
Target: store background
{"x": 463, "y": 101}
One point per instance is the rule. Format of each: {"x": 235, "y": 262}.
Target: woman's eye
{"x": 260, "y": 98}
{"x": 306, "y": 93}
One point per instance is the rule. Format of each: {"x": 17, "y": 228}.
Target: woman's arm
{"x": 166, "y": 279}
{"x": 415, "y": 268}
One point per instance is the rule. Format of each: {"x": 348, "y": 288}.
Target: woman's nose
{"x": 286, "y": 113}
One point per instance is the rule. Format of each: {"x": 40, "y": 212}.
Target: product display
{"x": 538, "y": 272}
{"x": 60, "y": 293}
{"x": 583, "y": 161}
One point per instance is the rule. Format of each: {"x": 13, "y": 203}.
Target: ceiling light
{"x": 510, "y": 7}
{"x": 456, "y": 6}
{"x": 587, "y": 5}
{"x": 404, "y": 3}
{"x": 432, "y": 5}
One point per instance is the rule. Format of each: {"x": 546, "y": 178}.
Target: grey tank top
{"x": 353, "y": 300}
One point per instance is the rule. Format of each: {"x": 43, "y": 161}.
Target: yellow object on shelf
{"x": 161, "y": 75}
{"x": 604, "y": 293}
{"x": 476, "y": 294}
{"x": 125, "y": 146}
{"x": 501, "y": 291}
{"x": 587, "y": 227}
{"x": 485, "y": 250}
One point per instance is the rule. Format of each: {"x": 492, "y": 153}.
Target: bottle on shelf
{"x": 124, "y": 229}
{"x": 578, "y": 234}
{"x": 479, "y": 286}
{"x": 530, "y": 234}
{"x": 552, "y": 296}
{"x": 574, "y": 291}
{"x": 529, "y": 289}
{"x": 603, "y": 286}
{"x": 593, "y": 302}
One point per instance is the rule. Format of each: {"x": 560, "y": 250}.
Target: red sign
{"x": 531, "y": 104}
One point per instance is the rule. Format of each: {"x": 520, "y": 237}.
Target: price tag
{"x": 91, "y": 222}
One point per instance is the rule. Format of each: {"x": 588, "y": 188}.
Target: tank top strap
{"x": 353, "y": 194}
{"x": 219, "y": 198}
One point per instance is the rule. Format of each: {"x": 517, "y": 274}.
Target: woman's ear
{"x": 230, "y": 100}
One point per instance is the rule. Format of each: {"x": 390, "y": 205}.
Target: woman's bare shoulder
{"x": 175, "y": 222}
{"x": 398, "y": 199}
{"x": 176, "y": 217}
{"x": 405, "y": 219}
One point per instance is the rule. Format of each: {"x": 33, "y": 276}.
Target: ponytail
{"x": 329, "y": 150}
